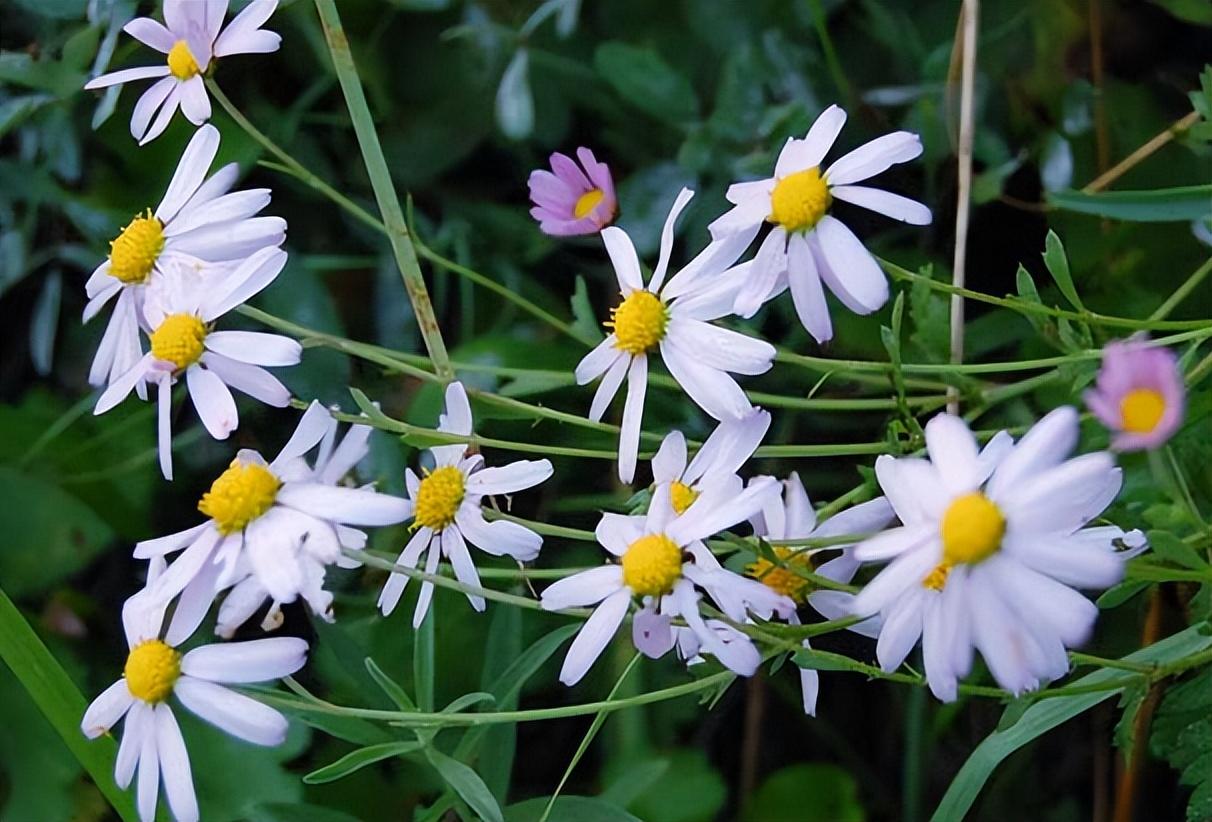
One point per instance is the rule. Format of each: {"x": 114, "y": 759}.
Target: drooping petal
{"x": 597, "y": 631}
{"x": 255, "y": 660}
{"x": 233, "y": 713}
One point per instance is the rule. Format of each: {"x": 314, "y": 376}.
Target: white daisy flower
{"x": 199, "y": 221}
{"x": 664, "y": 563}
{"x": 807, "y": 245}
{"x": 989, "y": 552}
{"x": 674, "y": 318}
{"x": 192, "y": 38}
{"x": 274, "y": 527}
{"x": 446, "y": 507}
{"x": 155, "y": 670}
{"x": 716, "y": 463}
{"x": 792, "y": 517}
{"x": 181, "y": 309}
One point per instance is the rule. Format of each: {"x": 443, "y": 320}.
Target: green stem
{"x": 1182, "y": 292}
{"x": 385, "y": 193}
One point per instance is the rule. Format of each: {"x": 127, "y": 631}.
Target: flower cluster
{"x": 982, "y": 549}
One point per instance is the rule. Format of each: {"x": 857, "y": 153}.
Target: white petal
{"x": 670, "y": 459}
{"x": 174, "y": 766}
{"x": 599, "y": 360}
{"x": 1061, "y": 499}
{"x": 507, "y": 479}
{"x": 864, "y": 518}
{"x": 248, "y": 279}
{"x": 905, "y": 572}
{"x": 186, "y": 567}
{"x": 884, "y": 202}
{"x": 938, "y": 638}
{"x": 149, "y": 103}
{"x": 709, "y": 514}
{"x": 633, "y": 415}
{"x": 213, "y": 401}
{"x": 193, "y": 605}
{"x": 708, "y": 265}
{"x": 423, "y": 599}
{"x": 499, "y": 537}
{"x": 768, "y": 264}
{"x": 352, "y": 506}
{"x": 460, "y": 560}
{"x": 615, "y": 532}
{"x": 711, "y": 389}
{"x": 799, "y": 155}
{"x": 456, "y": 418}
{"x": 195, "y": 162}
{"x": 201, "y": 210}
{"x": 722, "y": 348}
{"x": 234, "y": 713}
{"x": 894, "y": 542}
{"x": 597, "y": 631}
{"x": 874, "y": 157}
{"x": 623, "y": 258}
{"x": 658, "y": 274}
{"x": 396, "y": 583}
{"x": 1047, "y": 444}
{"x": 901, "y": 630}
{"x": 609, "y": 386}
{"x": 1070, "y": 560}
{"x": 172, "y": 102}
{"x": 105, "y": 711}
{"x": 255, "y": 347}
{"x": 314, "y": 424}
{"x": 850, "y": 271}
{"x": 132, "y": 742}
{"x": 119, "y": 389}
{"x": 151, "y": 33}
{"x": 148, "y": 789}
{"x": 730, "y": 445}
{"x": 256, "y": 660}
{"x": 913, "y": 487}
{"x": 744, "y": 218}
{"x": 1008, "y": 650}
{"x": 952, "y": 450}
{"x": 807, "y": 293}
{"x": 225, "y": 242}
{"x": 195, "y": 105}
{"x": 252, "y": 380}
{"x": 243, "y": 34}
{"x": 126, "y": 76}
{"x": 1061, "y": 610}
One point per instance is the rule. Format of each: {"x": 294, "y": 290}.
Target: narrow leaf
{"x": 1058, "y": 266}
{"x": 467, "y": 784}
{"x": 1163, "y": 205}
{"x": 356, "y": 760}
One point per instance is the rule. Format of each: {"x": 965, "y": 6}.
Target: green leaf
{"x": 356, "y": 760}
{"x": 568, "y": 809}
{"x": 1167, "y": 546}
{"x": 824, "y": 661}
{"x": 691, "y": 790}
{"x": 49, "y": 534}
{"x": 295, "y": 812}
{"x": 1058, "y": 266}
{"x": 498, "y": 747}
{"x": 585, "y": 321}
{"x": 422, "y": 663}
{"x": 1045, "y": 715}
{"x": 645, "y": 80}
{"x": 467, "y": 784}
{"x": 808, "y": 792}
{"x": 1028, "y": 292}
{"x": 1158, "y": 206}
{"x": 395, "y": 692}
{"x": 49, "y": 686}
{"x": 1121, "y": 593}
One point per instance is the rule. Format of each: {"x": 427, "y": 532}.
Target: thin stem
{"x": 1183, "y": 291}
{"x": 969, "y": 11}
{"x": 1135, "y": 158}
{"x": 385, "y": 193}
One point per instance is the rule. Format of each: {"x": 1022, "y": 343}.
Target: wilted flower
{"x": 1139, "y": 394}
{"x": 571, "y": 201}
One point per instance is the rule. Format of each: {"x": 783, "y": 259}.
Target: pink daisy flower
{"x": 569, "y": 201}
{"x": 1139, "y": 394}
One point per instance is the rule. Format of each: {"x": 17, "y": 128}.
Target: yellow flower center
{"x": 587, "y": 202}
{"x": 181, "y": 62}
{"x": 242, "y": 493}
{"x": 439, "y": 497}
{"x": 800, "y": 200}
{"x": 1141, "y": 409}
{"x": 651, "y": 565}
{"x": 972, "y": 529}
{"x": 133, "y": 253}
{"x": 682, "y": 496}
{"x": 781, "y": 578}
{"x": 638, "y": 322}
{"x": 937, "y": 578}
{"x": 178, "y": 340}
{"x": 151, "y": 671}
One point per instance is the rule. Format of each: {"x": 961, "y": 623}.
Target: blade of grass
{"x": 385, "y": 192}
{"x": 60, "y": 702}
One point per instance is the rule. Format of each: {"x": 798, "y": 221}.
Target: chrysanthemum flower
{"x": 1139, "y": 394}
{"x": 274, "y": 527}
{"x": 570, "y": 201}
{"x": 716, "y": 463}
{"x": 181, "y": 309}
{"x": 155, "y": 670}
{"x": 673, "y": 318}
{"x": 808, "y": 246}
{"x": 792, "y": 517}
{"x": 989, "y": 546}
{"x": 446, "y": 507}
{"x": 191, "y": 38}
{"x": 664, "y": 563}
{"x": 197, "y": 224}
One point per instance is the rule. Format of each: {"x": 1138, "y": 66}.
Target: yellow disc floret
{"x": 937, "y": 578}
{"x": 178, "y": 340}
{"x": 1141, "y": 409}
{"x": 151, "y": 671}
{"x": 651, "y": 565}
{"x": 800, "y": 200}
{"x": 181, "y": 62}
{"x": 587, "y": 202}
{"x": 439, "y": 497}
{"x": 782, "y": 578}
{"x": 639, "y": 322}
{"x": 682, "y": 496}
{"x": 242, "y": 493}
{"x": 972, "y": 529}
{"x": 133, "y": 253}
